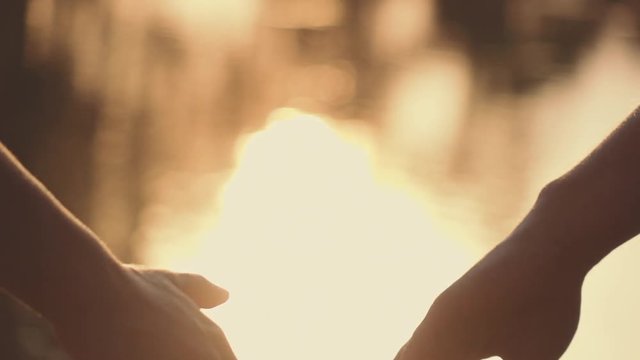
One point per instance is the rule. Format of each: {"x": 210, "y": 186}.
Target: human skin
{"x": 100, "y": 308}
{"x": 522, "y": 300}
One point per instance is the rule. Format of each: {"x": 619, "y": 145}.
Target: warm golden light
{"x": 322, "y": 256}
{"x": 332, "y": 240}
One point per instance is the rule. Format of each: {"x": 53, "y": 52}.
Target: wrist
{"x": 576, "y": 223}
{"x": 68, "y": 273}
{"x": 78, "y": 280}
{"x": 48, "y": 259}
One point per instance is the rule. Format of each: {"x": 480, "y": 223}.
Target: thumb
{"x": 204, "y": 293}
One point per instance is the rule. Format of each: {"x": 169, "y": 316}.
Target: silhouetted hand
{"x": 148, "y": 314}
{"x": 519, "y": 302}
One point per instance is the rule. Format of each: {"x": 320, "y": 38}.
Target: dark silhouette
{"x": 522, "y": 300}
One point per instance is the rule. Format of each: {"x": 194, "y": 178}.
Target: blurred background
{"x": 334, "y": 164}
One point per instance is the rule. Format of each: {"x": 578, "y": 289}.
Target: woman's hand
{"x": 147, "y": 314}
{"x": 519, "y": 302}
{"x": 100, "y": 309}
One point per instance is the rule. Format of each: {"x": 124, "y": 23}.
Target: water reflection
{"x": 131, "y": 111}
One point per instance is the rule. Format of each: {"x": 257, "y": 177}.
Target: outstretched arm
{"x": 100, "y": 308}
{"x": 522, "y": 300}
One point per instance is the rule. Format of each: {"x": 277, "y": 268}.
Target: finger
{"x": 401, "y": 354}
{"x": 220, "y": 343}
{"x": 436, "y": 342}
{"x": 424, "y": 349}
{"x": 205, "y": 294}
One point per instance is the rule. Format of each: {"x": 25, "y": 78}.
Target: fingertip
{"x": 217, "y": 297}
{"x": 204, "y": 293}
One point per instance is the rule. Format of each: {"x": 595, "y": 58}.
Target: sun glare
{"x": 322, "y": 256}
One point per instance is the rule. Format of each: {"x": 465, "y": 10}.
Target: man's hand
{"x": 522, "y": 301}
{"x": 519, "y": 303}
{"x": 147, "y": 314}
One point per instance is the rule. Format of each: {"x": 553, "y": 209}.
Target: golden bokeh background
{"x": 334, "y": 164}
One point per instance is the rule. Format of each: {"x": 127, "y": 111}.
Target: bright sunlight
{"x": 324, "y": 255}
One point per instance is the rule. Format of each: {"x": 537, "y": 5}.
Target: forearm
{"x": 522, "y": 300}
{"x": 595, "y": 207}
{"x": 48, "y": 259}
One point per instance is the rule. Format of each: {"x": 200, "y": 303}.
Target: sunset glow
{"x": 322, "y": 255}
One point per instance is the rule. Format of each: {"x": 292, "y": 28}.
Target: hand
{"x": 148, "y": 314}
{"x": 520, "y": 302}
